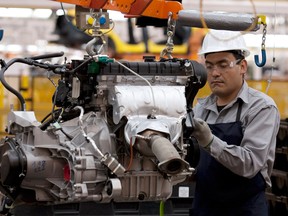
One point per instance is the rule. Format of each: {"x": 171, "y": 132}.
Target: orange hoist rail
{"x": 150, "y": 8}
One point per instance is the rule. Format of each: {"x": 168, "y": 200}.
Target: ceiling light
{"x": 42, "y": 13}
{"x": 25, "y": 13}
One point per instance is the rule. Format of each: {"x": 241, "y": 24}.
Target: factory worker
{"x": 236, "y": 128}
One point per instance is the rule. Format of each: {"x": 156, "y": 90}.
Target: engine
{"x": 119, "y": 131}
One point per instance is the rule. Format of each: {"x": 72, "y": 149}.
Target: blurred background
{"x": 37, "y": 27}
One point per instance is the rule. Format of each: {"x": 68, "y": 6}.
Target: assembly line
{"x": 166, "y": 135}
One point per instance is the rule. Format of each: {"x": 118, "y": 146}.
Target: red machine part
{"x": 150, "y": 8}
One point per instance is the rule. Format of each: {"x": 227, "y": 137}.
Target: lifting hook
{"x": 256, "y": 58}
{"x": 263, "y": 51}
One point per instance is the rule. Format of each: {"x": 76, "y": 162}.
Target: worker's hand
{"x": 202, "y": 132}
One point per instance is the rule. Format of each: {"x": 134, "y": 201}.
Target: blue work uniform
{"x": 220, "y": 192}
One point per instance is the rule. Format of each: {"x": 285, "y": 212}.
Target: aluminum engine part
{"x": 111, "y": 136}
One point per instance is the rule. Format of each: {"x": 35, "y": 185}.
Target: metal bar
{"x": 218, "y": 20}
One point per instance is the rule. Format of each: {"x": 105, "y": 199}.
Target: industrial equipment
{"x": 119, "y": 131}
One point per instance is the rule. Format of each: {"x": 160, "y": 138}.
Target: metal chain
{"x": 263, "y": 51}
{"x": 264, "y": 36}
{"x": 167, "y": 51}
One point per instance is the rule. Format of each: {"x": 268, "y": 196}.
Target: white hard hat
{"x": 222, "y": 40}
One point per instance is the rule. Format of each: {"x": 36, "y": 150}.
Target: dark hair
{"x": 238, "y": 54}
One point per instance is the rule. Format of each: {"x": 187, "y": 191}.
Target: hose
{"x": 28, "y": 61}
{"x": 8, "y": 87}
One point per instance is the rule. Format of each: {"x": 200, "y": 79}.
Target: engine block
{"x": 119, "y": 131}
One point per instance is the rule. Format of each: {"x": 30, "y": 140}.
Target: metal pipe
{"x": 218, "y": 20}
{"x": 169, "y": 159}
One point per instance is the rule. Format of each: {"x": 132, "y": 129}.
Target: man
{"x": 236, "y": 127}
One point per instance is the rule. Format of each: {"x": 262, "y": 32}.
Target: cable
{"x": 104, "y": 33}
{"x": 60, "y": 115}
{"x": 109, "y": 30}
{"x": 269, "y": 80}
{"x": 88, "y": 139}
{"x": 64, "y": 13}
{"x": 49, "y": 55}
{"x": 28, "y": 61}
{"x": 131, "y": 155}
{"x": 81, "y": 65}
{"x": 54, "y": 104}
{"x": 8, "y": 87}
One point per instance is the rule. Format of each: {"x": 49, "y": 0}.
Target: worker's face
{"x": 225, "y": 74}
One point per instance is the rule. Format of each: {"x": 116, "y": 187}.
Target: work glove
{"x": 202, "y": 133}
